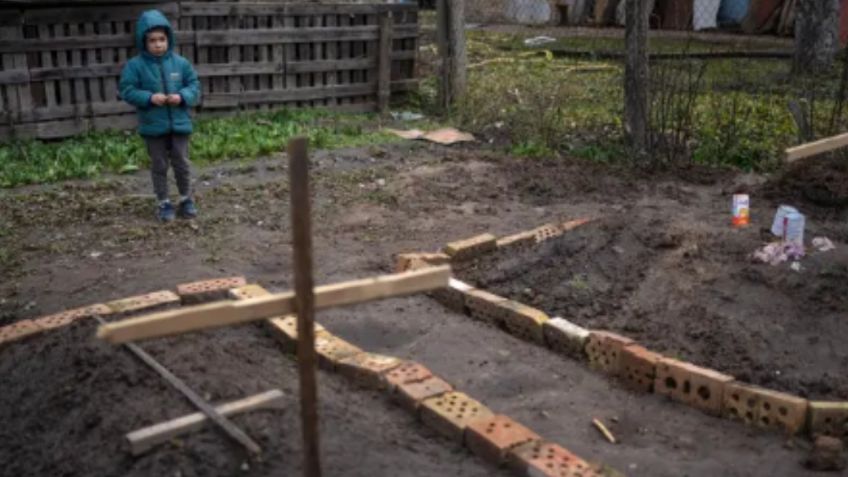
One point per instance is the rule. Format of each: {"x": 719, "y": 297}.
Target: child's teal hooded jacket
{"x": 146, "y": 74}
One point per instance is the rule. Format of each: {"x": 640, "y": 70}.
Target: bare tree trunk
{"x": 452, "y": 50}
{"x": 816, "y": 35}
{"x": 636, "y": 75}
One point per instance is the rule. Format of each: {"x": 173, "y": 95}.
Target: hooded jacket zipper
{"x": 161, "y": 62}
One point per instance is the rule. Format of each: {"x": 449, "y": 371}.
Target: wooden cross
{"x": 303, "y": 300}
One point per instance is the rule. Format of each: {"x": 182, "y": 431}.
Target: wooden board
{"x": 144, "y": 439}
{"x": 230, "y": 313}
{"x": 816, "y": 147}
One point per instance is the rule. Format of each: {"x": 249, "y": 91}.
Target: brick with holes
{"x": 65, "y": 318}
{"x": 491, "y": 438}
{"x": 829, "y": 418}
{"x": 603, "y": 349}
{"x": 247, "y": 291}
{"x": 414, "y": 261}
{"x": 147, "y": 303}
{"x": 485, "y": 306}
{"x": 699, "y": 387}
{"x": 331, "y": 349}
{"x": 545, "y": 459}
{"x": 410, "y": 395}
{"x": 471, "y": 247}
{"x": 524, "y": 321}
{"x": 741, "y": 402}
{"x": 18, "y": 331}
{"x": 782, "y": 411}
{"x": 284, "y": 329}
{"x": 368, "y": 369}
{"x": 450, "y": 414}
{"x": 637, "y": 368}
{"x": 453, "y": 296}
{"x": 565, "y": 337}
{"x": 519, "y": 241}
{"x": 208, "y": 290}
{"x": 407, "y": 372}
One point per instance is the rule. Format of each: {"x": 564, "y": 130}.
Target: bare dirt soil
{"x": 67, "y": 400}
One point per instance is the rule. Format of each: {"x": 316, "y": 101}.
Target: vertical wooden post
{"x": 301, "y": 220}
{"x": 636, "y": 75}
{"x": 384, "y": 64}
{"x": 450, "y": 39}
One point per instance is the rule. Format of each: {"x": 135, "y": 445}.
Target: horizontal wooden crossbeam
{"x": 816, "y": 147}
{"x": 215, "y": 315}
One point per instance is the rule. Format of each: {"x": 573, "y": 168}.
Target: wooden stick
{"x": 301, "y": 220}
{"x": 215, "y": 315}
{"x": 192, "y": 396}
{"x": 606, "y": 432}
{"x": 816, "y": 147}
{"x": 144, "y": 439}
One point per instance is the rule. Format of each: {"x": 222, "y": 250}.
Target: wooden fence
{"x": 59, "y": 67}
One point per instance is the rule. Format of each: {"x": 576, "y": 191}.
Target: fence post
{"x": 636, "y": 75}
{"x": 384, "y": 63}
{"x": 450, "y": 33}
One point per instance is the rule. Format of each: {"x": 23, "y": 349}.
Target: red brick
{"x": 699, "y": 387}
{"x": 764, "y": 407}
{"x": 638, "y": 368}
{"x": 603, "y": 349}
{"x": 208, "y": 290}
{"x": 147, "y": 303}
{"x": 549, "y": 231}
{"x": 408, "y": 372}
{"x": 545, "y": 459}
{"x": 18, "y": 331}
{"x": 450, "y": 414}
{"x": 829, "y": 419}
{"x": 368, "y": 369}
{"x": 247, "y": 291}
{"x": 65, "y": 318}
{"x": 471, "y": 247}
{"x": 410, "y": 395}
{"x": 491, "y": 438}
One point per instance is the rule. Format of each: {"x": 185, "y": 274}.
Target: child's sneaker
{"x": 187, "y": 209}
{"x": 165, "y": 212}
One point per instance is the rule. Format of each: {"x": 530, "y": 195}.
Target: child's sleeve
{"x": 129, "y": 89}
{"x": 190, "y": 92}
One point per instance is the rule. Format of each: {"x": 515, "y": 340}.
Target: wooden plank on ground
{"x": 816, "y": 147}
{"x": 228, "y": 313}
{"x": 142, "y": 440}
{"x": 225, "y": 424}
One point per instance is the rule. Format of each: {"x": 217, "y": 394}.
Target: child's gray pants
{"x": 170, "y": 149}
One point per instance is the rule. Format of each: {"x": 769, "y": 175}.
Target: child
{"x": 162, "y": 85}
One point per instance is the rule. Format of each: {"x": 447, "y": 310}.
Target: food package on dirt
{"x": 741, "y": 210}
{"x": 789, "y": 225}
{"x": 776, "y": 253}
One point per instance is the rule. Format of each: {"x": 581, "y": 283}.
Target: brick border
{"x": 494, "y": 438}
{"x": 632, "y": 365}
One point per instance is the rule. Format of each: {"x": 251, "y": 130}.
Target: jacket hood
{"x": 152, "y": 19}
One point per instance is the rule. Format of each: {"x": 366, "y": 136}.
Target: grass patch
{"x": 244, "y": 136}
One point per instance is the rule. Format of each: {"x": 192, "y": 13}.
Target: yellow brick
{"x": 524, "y": 321}
{"x": 829, "y": 418}
{"x": 284, "y": 329}
{"x": 485, "y": 306}
{"x": 450, "y": 413}
{"x": 414, "y": 261}
{"x": 147, "y": 303}
{"x": 471, "y": 247}
{"x": 367, "y": 369}
{"x": 331, "y": 349}
{"x": 248, "y": 291}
